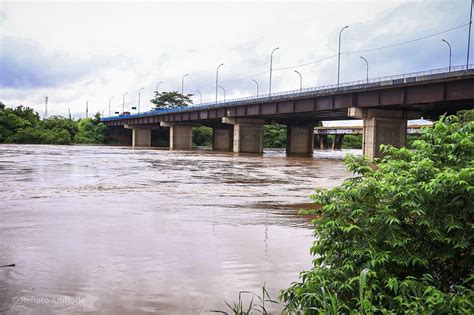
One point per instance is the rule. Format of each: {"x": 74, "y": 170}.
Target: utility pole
{"x": 87, "y": 109}
{"x": 69, "y": 112}
{"x": 45, "y": 107}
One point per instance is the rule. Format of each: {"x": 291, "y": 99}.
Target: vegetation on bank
{"x": 397, "y": 238}
{"x": 23, "y": 125}
{"x": 408, "y": 220}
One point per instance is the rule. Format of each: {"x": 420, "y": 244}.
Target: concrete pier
{"x": 382, "y": 127}
{"x": 141, "y": 136}
{"x": 181, "y": 136}
{"x": 300, "y": 139}
{"x": 222, "y": 138}
{"x": 248, "y": 134}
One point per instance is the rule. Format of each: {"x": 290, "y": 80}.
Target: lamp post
{"x": 217, "y": 79}
{"x": 339, "y": 55}
{"x": 223, "y": 90}
{"x": 123, "y": 102}
{"x": 110, "y": 99}
{"x": 199, "y": 95}
{"x": 139, "y": 91}
{"x": 301, "y": 80}
{"x": 182, "y": 83}
{"x": 271, "y": 69}
{"x": 449, "y": 46}
{"x": 469, "y": 36}
{"x": 367, "y": 64}
{"x": 256, "y": 84}
{"x": 158, "y": 85}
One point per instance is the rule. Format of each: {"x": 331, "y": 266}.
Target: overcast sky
{"x": 78, "y": 51}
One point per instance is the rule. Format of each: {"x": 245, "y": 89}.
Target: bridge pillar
{"x": 382, "y": 127}
{"x": 181, "y": 135}
{"x": 337, "y": 142}
{"x": 300, "y": 139}
{"x": 222, "y": 138}
{"x": 248, "y": 134}
{"x": 141, "y": 137}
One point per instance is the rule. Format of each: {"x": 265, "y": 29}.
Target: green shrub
{"x": 202, "y": 136}
{"x": 274, "y": 136}
{"x": 352, "y": 142}
{"x": 408, "y": 218}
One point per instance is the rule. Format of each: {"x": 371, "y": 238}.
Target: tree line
{"x": 23, "y": 125}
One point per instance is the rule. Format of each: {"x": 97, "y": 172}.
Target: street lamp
{"x": 469, "y": 36}
{"x": 217, "y": 78}
{"x": 139, "y": 91}
{"x": 444, "y": 40}
{"x": 199, "y": 95}
{"x": 110, "y": 98}
{"x": 182, "y": 83}
{"x": 367, "y": 63}
{"x": 271, "y": 69}
{"x": 223, "y": 90}
{"x": 301, "y": 80}
{"x": 339, "y": 55}
{"x": 256, "y": 84}
{"x": 157, "y": 86}
{"x": 123, "y": 102}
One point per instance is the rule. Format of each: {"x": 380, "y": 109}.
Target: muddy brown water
{"x": 112, "y": 230}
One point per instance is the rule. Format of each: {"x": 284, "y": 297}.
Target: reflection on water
{"x": 121, "y": 231}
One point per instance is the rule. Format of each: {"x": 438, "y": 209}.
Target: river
{"x": 95, "y": 229}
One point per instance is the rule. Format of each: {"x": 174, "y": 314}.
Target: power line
{"x": 406, "y": 42}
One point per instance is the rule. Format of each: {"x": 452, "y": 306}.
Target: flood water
{"x": 112, "y": 230}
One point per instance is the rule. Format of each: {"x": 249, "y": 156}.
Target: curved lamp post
{"x": 271, "y": 69}
{"x": 217, "y": 78}
{"x": 199, "y": 95}
{"x": 110, "y": 99}
{"x": 256, "y": 84}
{"x": 223, "y": 90}
{"x": 182, "y": 83}
{"x": 139, "y": 91}
{"x": 339, "y": 55}
{"x": 367, "y": 64}
{"x": 301, "y": 80}
{"x": 444, "y": 40}
{"x": 123, "y": 102}
{"x": 158, "y": 85}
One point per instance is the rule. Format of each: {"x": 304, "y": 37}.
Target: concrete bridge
{"x": 384, "y": 104}
{"x": 339, "y": 132}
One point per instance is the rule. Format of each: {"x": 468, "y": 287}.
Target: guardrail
{"x": 315, "y": 91}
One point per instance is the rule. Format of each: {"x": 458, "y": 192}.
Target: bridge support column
{"x": 337, "y": 142}
{"x": 300, "y": 139}
{"x": 141, "y": 137}
{"x": 181, "y": 136}
{"x": 222, "y": 138}
{"x": 382, "y": 127}
{"x": 248, "y": 134}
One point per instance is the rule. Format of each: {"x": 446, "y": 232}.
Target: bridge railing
{"x": 315, "y": 91}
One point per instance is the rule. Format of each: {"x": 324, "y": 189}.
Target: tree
{"x": 172, "y": 99}
{"x": 408, "y": 219}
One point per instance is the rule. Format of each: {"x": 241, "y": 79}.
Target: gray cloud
{"x": 24, "y": 64}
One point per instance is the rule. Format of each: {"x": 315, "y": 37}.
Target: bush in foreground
{"x": 408, "y": 220}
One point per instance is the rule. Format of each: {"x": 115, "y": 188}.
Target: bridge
{"x": 340, "y": 131}
{"x": 384, "y": 104}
